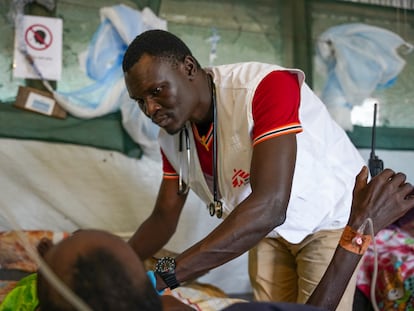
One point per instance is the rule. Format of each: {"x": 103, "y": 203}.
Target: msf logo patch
{"x": 240, "y": 178}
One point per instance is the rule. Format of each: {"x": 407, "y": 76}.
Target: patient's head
{"x": 101, "y": 269}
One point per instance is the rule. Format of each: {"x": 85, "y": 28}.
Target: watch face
{"x": 165, "y": 265}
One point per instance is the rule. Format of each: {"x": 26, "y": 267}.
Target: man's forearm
{"x": 148, "y": 239}
{"x": 234, "y": 236}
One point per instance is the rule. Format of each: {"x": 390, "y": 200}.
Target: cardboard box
{"x": 42, "y": 102}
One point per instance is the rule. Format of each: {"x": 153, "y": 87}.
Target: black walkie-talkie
{"x": 375, "y": 164}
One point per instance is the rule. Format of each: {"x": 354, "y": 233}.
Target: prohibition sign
{"x": 38, "y": 37}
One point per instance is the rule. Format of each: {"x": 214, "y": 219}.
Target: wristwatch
{"x": 165, "y": 268}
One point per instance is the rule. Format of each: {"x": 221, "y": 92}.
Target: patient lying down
{"x": 106, "y": 274}
{"x": 103, "y": 271}
{"x": 89, "y": 258}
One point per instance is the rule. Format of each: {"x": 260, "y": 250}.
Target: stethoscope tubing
{"x": 181, "y": 188}
{"x": 215, "y": 207}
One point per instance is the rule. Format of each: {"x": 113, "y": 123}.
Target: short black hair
{"x": 159, "y": 43}
{"x": 100, "y": 280}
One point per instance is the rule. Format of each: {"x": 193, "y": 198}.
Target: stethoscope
{"x": 215, "y": 207}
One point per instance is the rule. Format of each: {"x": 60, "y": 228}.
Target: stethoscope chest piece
{"x": 216, "y": 208}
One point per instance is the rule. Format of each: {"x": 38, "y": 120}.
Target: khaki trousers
{"x": 280, "y": 271}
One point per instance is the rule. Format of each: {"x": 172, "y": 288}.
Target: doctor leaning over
{"x": 259, "y": 148}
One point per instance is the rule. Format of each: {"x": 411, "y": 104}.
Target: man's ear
{"x": 190, "y": 67}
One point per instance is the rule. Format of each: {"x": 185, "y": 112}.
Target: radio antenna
{"x": 375, "y": 164}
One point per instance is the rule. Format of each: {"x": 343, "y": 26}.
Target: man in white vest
{"x": 258, "y": 146}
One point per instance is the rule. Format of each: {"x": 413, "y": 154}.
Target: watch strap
{"x": 170, "y": 279}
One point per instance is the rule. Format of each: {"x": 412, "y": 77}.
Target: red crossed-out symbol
{"x": 240, "y": 178}
{"x": 38, "y": 37}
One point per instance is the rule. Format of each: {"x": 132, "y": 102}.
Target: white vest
{"x": 326, "y": 164}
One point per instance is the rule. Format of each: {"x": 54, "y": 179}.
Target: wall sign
{"x": 38, "y": 48}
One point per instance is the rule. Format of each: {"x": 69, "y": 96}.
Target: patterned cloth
{"x": 395, "y": 279}
{"x": 13, "y": 244}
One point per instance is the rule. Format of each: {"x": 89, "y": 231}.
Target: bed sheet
{"x": 64, "y": 187}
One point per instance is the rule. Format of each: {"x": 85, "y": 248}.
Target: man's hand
{"x": 386, "y": 198}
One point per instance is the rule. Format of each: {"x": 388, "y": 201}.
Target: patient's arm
{"x": 329, "y": 291}
{"x": 386, "y": 198}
